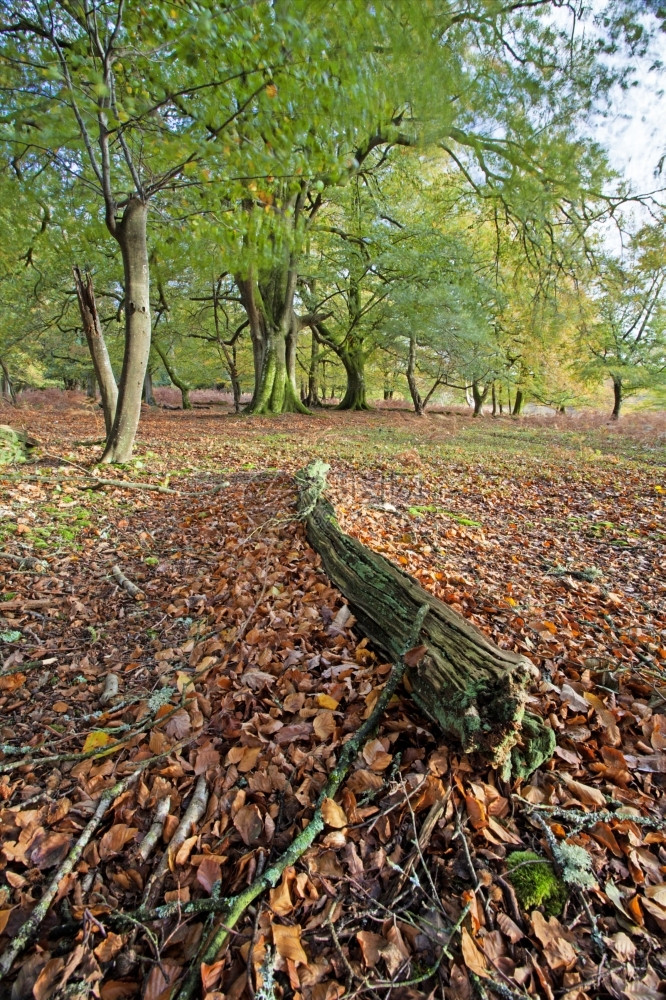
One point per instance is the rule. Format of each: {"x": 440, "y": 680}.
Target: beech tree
{"x": 624, "y": 338}
{"x": 130, "y": 103}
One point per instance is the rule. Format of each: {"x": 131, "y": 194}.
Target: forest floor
{"x": 239, "y": 678}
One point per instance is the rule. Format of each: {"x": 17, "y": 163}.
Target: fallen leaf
{"x": 249, "y": 823}
{"x": 334, "y": 815}
{"x": 559, "y": 953}
{"x": 474, "y": 958}
{"x": 287, "y": 941}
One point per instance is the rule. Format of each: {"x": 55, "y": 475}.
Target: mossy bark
{"x": 475, "y": 691}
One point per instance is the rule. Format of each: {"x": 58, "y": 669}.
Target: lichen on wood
{"x": 475, "y": 691}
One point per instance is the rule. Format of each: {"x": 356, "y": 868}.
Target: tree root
{"x": 233, "y": 908}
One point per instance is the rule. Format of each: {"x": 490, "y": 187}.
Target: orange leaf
{"x": 287, "y": 940}
{"x": 334, "y": 815}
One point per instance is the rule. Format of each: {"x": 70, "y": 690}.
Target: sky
{"x": 634, "y": 132}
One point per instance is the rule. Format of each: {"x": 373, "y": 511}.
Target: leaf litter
{"x": 239, "y": 678}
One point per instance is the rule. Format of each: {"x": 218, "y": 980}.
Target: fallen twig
{"x": 123, "y": 582}
{"x": 148, "y": 843}
{"x": 26, "y": 605}
{"x": 92, "y": 482}
{"x": 193, "y": 814}
{"x": 27, "y": 562}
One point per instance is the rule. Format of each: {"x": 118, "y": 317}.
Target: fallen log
{"x": 475, "y": 691}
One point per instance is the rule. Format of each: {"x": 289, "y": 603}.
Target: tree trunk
{"x": 475, "y": 691}
{"x": 174, "y": 377}
{"x": 355, "y": 393}
{"x": 419, "y": 407}
{"x": 131, "y": 237}
{"x": 617, "y": 397}
{"x": 91, "y": 385}
{"x": 236, "y": 390}
{"x": 148, "y": 394}
{"x": 97, "y": 346}
{"x": 8, "y": 391}
{"x": 500, "y": 402}
{"x": 518, "y": 404}
{"x": 312, "y": 398}
{"x": 494, "y": 400}
{"x": 273, "y": 347}
{"x": 275, "y": 392}
{"x": 479, "y": 398}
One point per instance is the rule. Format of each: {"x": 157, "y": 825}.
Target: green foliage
{"x": 535, "y": 882}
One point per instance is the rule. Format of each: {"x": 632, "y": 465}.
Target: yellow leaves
{"x": 99, "y": 740}
{"x": 271, "y": 90}
{"x": 325, "y": 701}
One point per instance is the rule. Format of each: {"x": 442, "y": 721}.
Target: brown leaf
{"x": 50, "y": 849}
{"x": 4, "y": 917}
{"x": 12, "y": 682}
{"x": 208, "y": 873}
{"x": 287, "y": 941}
{"x": 584, "y": 793}
{"x": 414, "y": 656}
{"x": 334, "y": 815}
{"x": 324, "y": 725}
{"x": 109, "y": 947}
{"x": 249, "y": 823}
{"x": 364, "y": 781}
{"x": 509, "y": 928}
{"x": 178, "y": 725}
{"x": 372, "y": 946}
{"x": 375, "y": 756}
{"x": 184, "y": 851}
{"x": 559, "y": 953}
{"x": 474, "y": 958}
{"x": 280, "y": 897}
{"x": 115, "y": 839}
{"x": 205, "y": 758}
{"x": 118, "y": 989}
{"x": 160, "y": 979}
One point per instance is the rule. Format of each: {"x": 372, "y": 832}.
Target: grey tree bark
{"x": 94, "y": 334}
{"x": 131, "y": 236}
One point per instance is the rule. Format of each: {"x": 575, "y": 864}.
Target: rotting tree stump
{"x": 475, "y": 691}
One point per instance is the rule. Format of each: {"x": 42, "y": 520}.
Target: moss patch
{"x": 536, "y": 883}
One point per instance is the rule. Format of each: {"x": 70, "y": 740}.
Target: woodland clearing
{"x": 239, "y": 678}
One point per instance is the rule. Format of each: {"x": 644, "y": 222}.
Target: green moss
{"x": 536, "y": 883}
{"x": 537, "y": 745}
